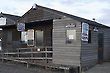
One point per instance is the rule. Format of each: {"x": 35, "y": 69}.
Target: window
{"x": 24, "y": 37}
{"x": 71, "y": 36}
{"x": 27, "y": 37}
{"x": 30, "y": 37}
{"x": 2, "y": 21}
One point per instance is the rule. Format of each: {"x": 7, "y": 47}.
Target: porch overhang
{"x": 34, "y": 24}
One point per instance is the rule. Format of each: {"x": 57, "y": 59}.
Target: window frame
{"x": 72, "y": 36}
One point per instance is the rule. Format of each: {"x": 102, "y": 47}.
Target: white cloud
{"x": 83, "y": 8}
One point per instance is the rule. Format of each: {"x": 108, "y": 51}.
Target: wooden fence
{"x": 31, "y": 54}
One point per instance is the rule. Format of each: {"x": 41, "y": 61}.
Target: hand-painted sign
{"x": 85, "y": 31}
{"x": 70, "y": 25}
{"x": 20, "y": 26}
{"x": 2, "y": 21}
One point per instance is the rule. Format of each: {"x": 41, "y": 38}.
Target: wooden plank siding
{"x": 106, "y": 44}
{"x": 89, "y": 51}
{"x": 63, "y": 53}
{"x": 39, "y": 14}
{"x": 10, "y": 39}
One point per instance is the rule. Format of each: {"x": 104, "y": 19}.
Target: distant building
{"x": 6, "y": 20}
{"x": 74, "y": 40}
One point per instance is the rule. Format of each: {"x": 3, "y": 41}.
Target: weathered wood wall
{"x": 89, "y": 51}
{"x": 39, "y": 14}
{"x": 106, "y": 44}
{"x": 10, "y": 39}
{"x": 63, "y": 53}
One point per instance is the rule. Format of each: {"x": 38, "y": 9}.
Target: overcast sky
{"x": 89, "y": 9}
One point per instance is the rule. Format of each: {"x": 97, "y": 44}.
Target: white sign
{"x": 85, "y": 31}
{"x": 71, "y": 25}
{"x": 2, "y": 21}
{"x": 71, "y": 36}
{"x": 20, "y": 26}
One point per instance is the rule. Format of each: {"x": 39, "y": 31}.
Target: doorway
{"x": 100, "y": 47}
{"x": 39, "y": 37}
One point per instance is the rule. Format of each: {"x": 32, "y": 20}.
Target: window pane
{"x": 24, "y": 36}
{"x": 2, "y": 21}
{"x": 30, "y": 37}
{"x": 71, "y": 35}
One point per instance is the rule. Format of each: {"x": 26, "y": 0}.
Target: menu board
{"x": 20, "y": 26}
{"x": 85, "y": 31}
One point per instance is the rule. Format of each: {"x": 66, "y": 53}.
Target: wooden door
{"x": 100, "y": 47}
{"x": 39, "y": 38}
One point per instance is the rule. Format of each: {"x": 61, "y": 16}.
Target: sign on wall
{"x": 20, "y": 26}
{"x": 85, "y": 31}
{"x": 71, "y": 25}
{"x": 2, "y": 21}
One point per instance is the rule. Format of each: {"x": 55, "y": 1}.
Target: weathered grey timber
{"x": 55, "y": 24}
{"x": 63, "y": 53}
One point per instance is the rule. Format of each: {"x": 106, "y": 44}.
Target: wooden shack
{"x": 73, "y": 40}
{"x": 7, "y": 22}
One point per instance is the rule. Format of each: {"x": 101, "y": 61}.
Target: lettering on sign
{"x": 71, "y": 25}
{"x": 21, "y": 27}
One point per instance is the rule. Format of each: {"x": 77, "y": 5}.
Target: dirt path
{"x": 16, "y": 68}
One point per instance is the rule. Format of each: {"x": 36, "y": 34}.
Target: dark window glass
{"x": 39, "y": 38}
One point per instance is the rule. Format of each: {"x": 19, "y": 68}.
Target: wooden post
{"x": 46, "y": 57}
{"x": 2, "y": 55}
{"x": 27, "y": 65}
{"x": 18, "y": 52}
{"x": 31, "y": 52}
{"x": 46, "y": 54}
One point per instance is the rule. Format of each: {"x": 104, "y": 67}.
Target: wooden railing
{"x": 30, "y": 54}
{"x": 41, "y": 56}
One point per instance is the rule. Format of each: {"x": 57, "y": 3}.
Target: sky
{"x": 89, "y": 9}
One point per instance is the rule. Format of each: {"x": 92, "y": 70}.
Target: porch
{"x": 34, "y": 44}
{"x": 34, "y": 55}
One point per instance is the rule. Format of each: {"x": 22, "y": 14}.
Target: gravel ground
{"x": 17, "y": 68}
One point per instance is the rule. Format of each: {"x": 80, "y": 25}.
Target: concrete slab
{"x": 100, "y": 68}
